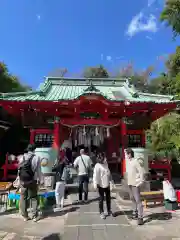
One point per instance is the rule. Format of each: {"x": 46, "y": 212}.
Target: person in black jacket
{"x": 59, "y": 168}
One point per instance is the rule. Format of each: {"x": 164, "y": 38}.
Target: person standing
{"x": 102, "y": 182}
{"x": 135, "y": 178}
{"x": 30, "y": 177}
{"x": 61, "y": 177}
{"x": 83, "y": 164}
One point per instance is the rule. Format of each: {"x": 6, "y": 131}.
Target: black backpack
{"x": 26, "y": 174}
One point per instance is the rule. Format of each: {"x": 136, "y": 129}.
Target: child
{"x": 102, "y": 182}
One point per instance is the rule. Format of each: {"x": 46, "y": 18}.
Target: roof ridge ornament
{"x": 91, "y": 88}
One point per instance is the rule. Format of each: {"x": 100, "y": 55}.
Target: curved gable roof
{"x": 57, "y": 89}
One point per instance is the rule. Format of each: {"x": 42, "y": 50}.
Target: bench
{"x": 154, "y": 196}
{"x": 43, "y": 196}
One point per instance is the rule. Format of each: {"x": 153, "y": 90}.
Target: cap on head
{"x": 82, "y": 151}
{"x": 31, "y": 148}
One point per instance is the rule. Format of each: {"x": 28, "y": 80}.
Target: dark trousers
{"x": 106, "y": 192}
{"x": 83, "y": 186}
{"x": 29, "y": 195}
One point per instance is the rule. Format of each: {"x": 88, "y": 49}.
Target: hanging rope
{"x": 91, "y": 125}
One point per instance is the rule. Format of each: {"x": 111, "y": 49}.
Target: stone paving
{"x": 75, "y": 222}
{"x": 79, "y": 222}
{"x": 159, "y": 224}
{"x": 85, "y": 223}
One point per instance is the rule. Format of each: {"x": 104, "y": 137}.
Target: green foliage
{"x": 164, "y": 132}
{"x": 170, "y": 15}
{"x": 8, "y": 82}
{"x": 96, "y": 72}
{"x": 173, "y": 63}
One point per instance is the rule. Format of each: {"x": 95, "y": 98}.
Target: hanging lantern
{"x": 108, "y": 132}
{"x": 84, "y": 130}
{"x": 96, "y": 132}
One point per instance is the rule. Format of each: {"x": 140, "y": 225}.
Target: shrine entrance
{"x": 98, "y": 114}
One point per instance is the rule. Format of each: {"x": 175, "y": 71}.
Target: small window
{"x": 44, "y": 140}
{"x": 135, "y": 140}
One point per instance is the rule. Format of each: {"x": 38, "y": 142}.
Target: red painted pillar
{"x": 56, "y": 142}
{"x": 124, "y": 145}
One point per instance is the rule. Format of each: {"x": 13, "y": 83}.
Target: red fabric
{"x": 178, "y": 195}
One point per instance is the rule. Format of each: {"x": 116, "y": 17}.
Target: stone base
{"x": 171, "y": 206}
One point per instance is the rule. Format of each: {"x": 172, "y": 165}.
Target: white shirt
{"x": 78, "y": 162}
{"x": 101, "y": 175}
{"x": 135, "y": 172}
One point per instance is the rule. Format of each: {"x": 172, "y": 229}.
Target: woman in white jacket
{"x": 102, "y": 182}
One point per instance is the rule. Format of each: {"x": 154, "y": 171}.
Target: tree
{"x": 171, "y": 15}
{"x": 164, "y": 134}
{"x": 96, "y": 72}
{"x": 9, "y": 82}
{"x": 173, "y": 63}
{"x": 59, "y": 72}
{"x": 140, "y": 79}
{"x": 160, "y": 85}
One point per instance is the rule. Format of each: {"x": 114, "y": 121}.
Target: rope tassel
{"x": 96, "y": 132}
{"x": 84, "y": 130}
{"x": 108, "y": 133}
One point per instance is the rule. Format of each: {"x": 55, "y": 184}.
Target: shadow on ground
{"x": 8, "y": 212}
{"x": 54, "y": 236}
{"x": 158, "y": 216}
{"x": 60, "y": 213}
{"x": 118, "y": 213}
{"x": 96, "y": 199}
{"x": 151, "y": 217}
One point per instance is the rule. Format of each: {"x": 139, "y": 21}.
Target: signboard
{"x": 48, "y": 180}
{"x": 134, "y": 140}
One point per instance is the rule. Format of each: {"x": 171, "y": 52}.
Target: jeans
{"x": 135, "y": 197}
{"x": 102, "y": 192}
{"x": 29, "y": 193}
{"x": 83, "y": 185}
{"x": 59, "y": 193}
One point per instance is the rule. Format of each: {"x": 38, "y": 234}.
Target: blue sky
{"x": 40, "y": 36}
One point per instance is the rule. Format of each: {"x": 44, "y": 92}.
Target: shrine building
{"x": 106, "y": 114}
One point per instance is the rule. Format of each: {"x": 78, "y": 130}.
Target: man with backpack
{"x": 30, "y": 177}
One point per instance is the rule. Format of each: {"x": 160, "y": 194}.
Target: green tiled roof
{"x": 56, "y": 89}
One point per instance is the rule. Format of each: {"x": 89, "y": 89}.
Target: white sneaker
{"x": 57, "y": 208}
{"x": 26, "y": 219}
{"x": 36, "y": 219}
{"x": 102, "y": 216}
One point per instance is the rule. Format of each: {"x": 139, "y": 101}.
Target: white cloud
{"x": 38, "y": 17}
{"x": 151, "y": 2}
{"x": 141, "y": 23}
{"x": 149, "y": 38}
{"x": 102, "y": 56}
{"x": 109, "y": 58}
{"x": 120, "y": 57}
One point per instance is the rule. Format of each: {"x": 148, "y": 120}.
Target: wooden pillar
{"x": 56, "y": 142}
{"x": 124, "y": 146}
